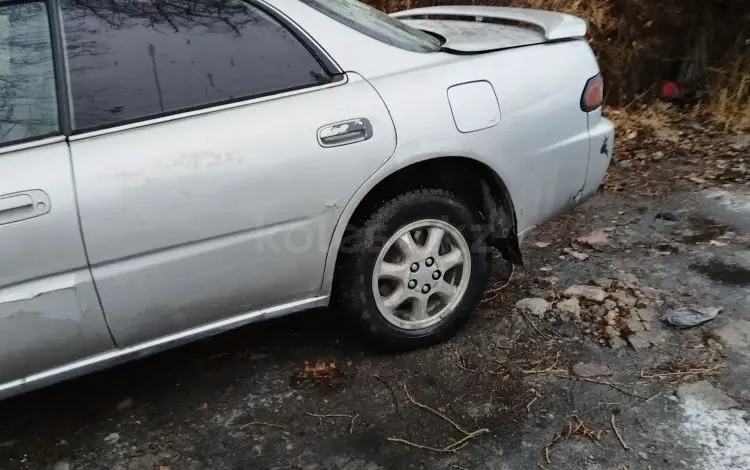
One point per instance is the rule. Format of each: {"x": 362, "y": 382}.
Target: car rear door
{"x": 49, "y": 312}
{"x": 214, "y": 149}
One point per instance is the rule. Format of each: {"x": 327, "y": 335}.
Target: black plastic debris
{"x": 687, "y": 317}
{"x": 668, "y": 216}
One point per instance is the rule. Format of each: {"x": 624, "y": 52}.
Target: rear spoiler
{"x": 556, "y": 26}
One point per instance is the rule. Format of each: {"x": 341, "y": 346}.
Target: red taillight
{"x": 593, "y": 94}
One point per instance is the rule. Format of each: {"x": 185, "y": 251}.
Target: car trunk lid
{"x": 476, "y": 29}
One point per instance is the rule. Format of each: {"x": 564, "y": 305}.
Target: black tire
{"x": 360, "y": 254}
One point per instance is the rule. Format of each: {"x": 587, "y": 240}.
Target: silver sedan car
{"x": 172, "y": 170}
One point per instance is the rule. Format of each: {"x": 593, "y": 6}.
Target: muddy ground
{"x": 545, "y": 387}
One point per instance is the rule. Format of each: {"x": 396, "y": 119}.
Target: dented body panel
{"x": 49, "y": 311}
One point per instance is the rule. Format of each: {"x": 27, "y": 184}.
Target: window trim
{"x": 61, "y": 93}
{"x": 337, "y": 77}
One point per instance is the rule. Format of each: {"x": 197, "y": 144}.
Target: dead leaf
{"x": 317, "y": 370}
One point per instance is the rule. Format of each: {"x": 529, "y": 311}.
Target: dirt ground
{"x": 588, "y": 378}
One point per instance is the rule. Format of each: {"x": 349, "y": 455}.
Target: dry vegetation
{"x": 702, "y": 44}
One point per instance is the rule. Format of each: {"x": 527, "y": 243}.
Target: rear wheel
{"x": 416, "y": 269}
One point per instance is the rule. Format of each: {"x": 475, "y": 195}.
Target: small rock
{"x": 642, "y": 303}
{"x": 646, "y": 315}
{"x": 643, "y": 455}
{"x": 653, "y": 336}
{"x": 144, "y": 462}
{"x": 579, "y": 256}
{"x": 611, "y": 317}
{"x": 637, "y": 341}
{"x": 542, "y": 293}
{"x": 613, "y": 337}
{"x": 623, "y": 299}
{"x": 603, "y": 282}
{"x": 112, "y": 438}
{"x": 713, "y": 344}
{"x": 533, "y": 305}
{"x": 595, "y": 238}
{"x": 61, "y": 466}
{"x": 589, "y": 370}
{"x": 735, "y": 334}
{"x": 635, "y": 325}
{"x": 542, "y": 244}
{"x": 592, "y": 293}
{"x": 610, "y": 304}
{"x": 597, "y": 311}
{"x": 551, "y": 280}
{"x": 571, "y": 305}
{"x": 125, "y": 404}
{"x": 706, "y": 393}
{"x": 629, "y": 279}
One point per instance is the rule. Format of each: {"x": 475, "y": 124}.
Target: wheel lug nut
{"x": 436, "y": 275}
{"x": 412, "y": 284}
{"x": 414, "y": 267}
{"x": 429, "y": 262}
{"x": 425, "y": 288}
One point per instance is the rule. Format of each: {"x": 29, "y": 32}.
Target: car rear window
{"x": 376, "y": 24}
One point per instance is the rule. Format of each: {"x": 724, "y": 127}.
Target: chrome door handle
{"x": 23, "y": 205}
{"x": 345, "y": 132}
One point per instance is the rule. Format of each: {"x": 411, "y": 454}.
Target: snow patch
{"x": 723, "y": 435}
{"x": 735, "y": 202}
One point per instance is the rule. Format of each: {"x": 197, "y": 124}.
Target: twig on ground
{"x": 261, "y": 423}
{"x": 420, "y": 446}
{"x": 577, "y": 428}
{"x": 533, "y": 400}
{"x": 393, "y": 394}
{"x": 461, "y": 364}
{"x": 351, "y": 418}
{"x": 616, "y": 386}
{"x": 573, "y": 429}
{"x": 453, "y": 447}
{"x": 551, "y": 369}
{"x": 435, "y": 412}
{"x": 528, "y": 320}
{"x": 617, "y": 433}
{"x": 495, "y": 291}
{"x": 718, "y": 369}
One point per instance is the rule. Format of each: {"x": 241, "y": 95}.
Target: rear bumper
{"x": 600, "y": 155}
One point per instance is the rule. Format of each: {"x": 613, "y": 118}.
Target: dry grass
{"x": 729, "y": 101}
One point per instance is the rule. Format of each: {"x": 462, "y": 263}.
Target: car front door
{"x": 49, "y": 312}
{"x": 214, "y": 149}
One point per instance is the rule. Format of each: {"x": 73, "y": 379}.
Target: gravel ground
{"x": 574, "y": 381}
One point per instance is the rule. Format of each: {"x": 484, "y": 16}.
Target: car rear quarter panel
{"x": 540, "y": 146}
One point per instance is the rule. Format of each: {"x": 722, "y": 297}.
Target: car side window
{"x": 28, "y": 99}
{"x": 137, "y": 59}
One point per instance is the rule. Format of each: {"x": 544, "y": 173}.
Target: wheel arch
{"x": 471, "y": 179}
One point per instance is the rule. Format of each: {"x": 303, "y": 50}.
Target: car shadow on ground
{"x": 203, "y": 366}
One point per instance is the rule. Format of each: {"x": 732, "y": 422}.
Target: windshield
{"x": 376, "y": 24}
